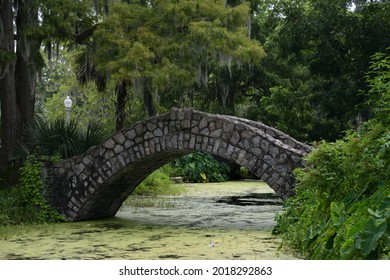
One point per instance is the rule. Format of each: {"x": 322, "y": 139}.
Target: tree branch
{"x": 81, "y": 37}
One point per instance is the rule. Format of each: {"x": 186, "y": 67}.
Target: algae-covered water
{"x": 218, "y": 221}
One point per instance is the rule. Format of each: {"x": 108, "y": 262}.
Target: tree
{"x": 165, "y": 45}
{"x": 321, "y": 50}
{"x": 10, "y": 115}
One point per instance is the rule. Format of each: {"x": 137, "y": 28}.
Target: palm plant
{"x": 57, "y": 137}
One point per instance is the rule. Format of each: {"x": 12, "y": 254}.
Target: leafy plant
{"x": 32, "y": 191}
{"x": 26, "y": 203}
{"x": 57, "y": 137}
{"x": 158, "y": 183}
{"x": 201, "y": 167}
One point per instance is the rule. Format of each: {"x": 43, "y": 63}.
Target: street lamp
{"x": 68, "y": 105}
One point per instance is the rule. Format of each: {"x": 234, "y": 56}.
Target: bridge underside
{"x": 96, "y": 183}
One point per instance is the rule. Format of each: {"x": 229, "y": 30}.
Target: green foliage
{"x": 33, "y": 191}
{"x": 379, "y": 94}
{"x": 317, "y": 55}
{"x": 56, "y": 137}
{"x": 26, "y": 203}
{"x": 341, "y": 206}
{"x": 201, "y": 167}
{"x": 11, "y": 210}
{"x": 341, "y": 209}
{"x": 158, "y": 183}
{"x": 173, "y": 48}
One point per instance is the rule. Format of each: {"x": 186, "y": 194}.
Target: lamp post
{"x": 68, "y": 105}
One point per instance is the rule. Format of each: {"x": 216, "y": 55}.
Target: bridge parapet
{"x": 95, "y": 183}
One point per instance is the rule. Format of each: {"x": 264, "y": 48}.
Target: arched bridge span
{"x": 95, "y": 184}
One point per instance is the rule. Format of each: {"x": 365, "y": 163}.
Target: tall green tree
{"x": 163, "y": 45}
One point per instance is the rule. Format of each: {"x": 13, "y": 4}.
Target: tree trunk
{"x": 147, "y": 96}
{"x": 10, "y": 115}
{"x": 27, "y": 59}
{"x": 121, "y": 96}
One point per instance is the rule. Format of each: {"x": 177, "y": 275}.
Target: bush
{"x": 201, "y": 167}
{"x": 158, "y": 183}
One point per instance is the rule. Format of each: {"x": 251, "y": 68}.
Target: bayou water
{"x": 232, "y": 220}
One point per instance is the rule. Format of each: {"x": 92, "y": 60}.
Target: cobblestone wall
{"x": 95, "y": 183}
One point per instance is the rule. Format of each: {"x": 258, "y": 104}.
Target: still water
{"x": 217, "y": 221}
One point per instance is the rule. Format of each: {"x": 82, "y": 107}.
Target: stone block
{"x": 148, "y": 135}
{"x": 109, "y": 154}
{"x": 109, "y": 144}
{"x": 192, "y": 142}
{"x": 158, "y": 132}
{"x": 180, "y": 115}
{"x": 172, "y": 113}
{"x": 228, "y": 127}
{"x": 139, "y": 129}
{"x": 205, "y": 131}
{"x": 257, "y": 152}
{"x": 216, "y": 133}
{"x": 118, "y": 149}
{"x": 274, "y": 151}
{"x": 203, "y": 123}
{"x": 128, "y": 144}
{"x": 235, "y": 139}
{"x": 119, "y": 138}
{"x": 256, "y": 141}
{"x": 122, "y": 161}
{"x": 151, "y": 126}
{"x": 205, "y": 142}
{"x": 131, "y": 134}
{"x": 264, "y": 146}
{"x": 269, "y": 160}
{"x": 79, "y": 168}
{"x": 195, "y": 130}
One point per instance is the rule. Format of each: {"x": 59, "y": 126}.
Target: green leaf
{"x": 337, "y": 213}
{"x": 371, "y": 234}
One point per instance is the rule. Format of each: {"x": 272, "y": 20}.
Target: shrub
{"x": 158, "y": 183}
{"x": 201, "y": 167}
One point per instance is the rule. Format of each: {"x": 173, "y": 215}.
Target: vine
{"x": 32, "y": 190}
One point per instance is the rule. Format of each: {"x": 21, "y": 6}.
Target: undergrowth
{"x": 159, "y": 184}
{"x": 26, "y": 203}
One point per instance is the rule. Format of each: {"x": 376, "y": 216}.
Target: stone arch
{"x": 95, "y": 183}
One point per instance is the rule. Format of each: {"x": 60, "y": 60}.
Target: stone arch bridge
{"x": 94, "y": 184}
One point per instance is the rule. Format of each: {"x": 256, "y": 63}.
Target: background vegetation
{"x": 300, "y": 66}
